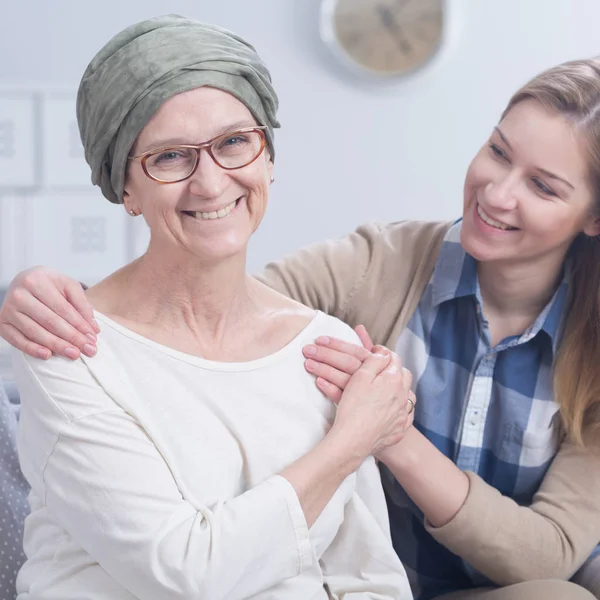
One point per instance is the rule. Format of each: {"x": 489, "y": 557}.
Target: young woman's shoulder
{"x": 330, "y": 274}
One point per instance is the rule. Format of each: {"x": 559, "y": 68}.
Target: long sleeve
{"x": 105, "y": 482}
{"x": 374, "y": 277}
{"x": 360, "y": 563}
{"x": 549, "y": 539}
{"x": 326, "y": 275}
{"x": 588, "y": 576}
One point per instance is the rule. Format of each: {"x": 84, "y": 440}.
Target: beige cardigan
{"x": 375, "y": 277}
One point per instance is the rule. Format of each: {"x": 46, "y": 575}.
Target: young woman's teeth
{"x": 492, "y": 222}
{"x": 218, "y": 214}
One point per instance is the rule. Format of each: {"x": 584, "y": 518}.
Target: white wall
{"x": 348, "y": 152}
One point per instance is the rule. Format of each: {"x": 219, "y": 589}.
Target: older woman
{"x": 193, "y": 457}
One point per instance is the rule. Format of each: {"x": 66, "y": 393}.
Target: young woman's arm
{"x": 549, "y": 539}
{"x": 507, "y": 542}
{"x": 45, "y": 312}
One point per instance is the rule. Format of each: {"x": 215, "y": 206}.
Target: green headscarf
{"x": 145, "y": 65}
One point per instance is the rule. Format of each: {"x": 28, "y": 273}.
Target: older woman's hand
{"x": 374, "y": 411}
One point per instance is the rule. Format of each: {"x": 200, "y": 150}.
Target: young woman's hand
{"x": 45, "y": 312}
{"x": 334, "y": 361}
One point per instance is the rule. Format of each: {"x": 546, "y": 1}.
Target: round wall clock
{"x": 386, "y": 38}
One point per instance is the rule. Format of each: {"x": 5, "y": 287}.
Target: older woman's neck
{"x": 206, "y": 298}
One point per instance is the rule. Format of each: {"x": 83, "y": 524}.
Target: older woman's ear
{"x": 271, "y": 170}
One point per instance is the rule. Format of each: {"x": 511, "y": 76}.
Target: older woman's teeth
{"x": 219, "y": 214}
{"x": 493, "y": 223}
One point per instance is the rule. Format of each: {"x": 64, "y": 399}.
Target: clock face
{"x": 384, "y": 37}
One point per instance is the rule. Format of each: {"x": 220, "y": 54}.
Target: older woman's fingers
{"x": 332, "y": 392}
{"x": 410, "y": 420}
{"x": 330, "y": 374}
{"x": 348, "y": 362}
{"x": 378, "y": 349}
{"x": 411, "y": 413}
{"x": 407, "y": 379}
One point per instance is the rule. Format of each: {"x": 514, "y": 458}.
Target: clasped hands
{"x": 369, "y": 385}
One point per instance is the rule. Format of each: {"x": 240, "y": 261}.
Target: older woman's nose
{"x": 209, "y": 179}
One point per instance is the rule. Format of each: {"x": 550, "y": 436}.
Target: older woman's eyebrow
{"x": 232, "y": 127}
{"x": 229, "y": 128}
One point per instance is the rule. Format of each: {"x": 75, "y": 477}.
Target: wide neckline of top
{"x": 305, "y": 336}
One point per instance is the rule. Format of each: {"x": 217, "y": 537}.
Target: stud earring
{"x": 133, "y": 213}
{"x": 272, "y": 179}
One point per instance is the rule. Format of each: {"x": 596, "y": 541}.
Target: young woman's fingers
{"x": 347, "y": 362}
{"x": 332, "y": 392}
{"x": 76, "y": 296}
{"x": 330, "y": 374}
{"x": 38, "y": 320}
{"x": 364, "y": 336}
{"x": 35, "y": 333}
{"x": 66, "y": 313}
{"x": 15, "y": 338}
{"x": 349, "y": 348}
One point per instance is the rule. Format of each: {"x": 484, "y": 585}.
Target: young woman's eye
{"x": 498, "y": 152}
{"x": 542, "y": 187}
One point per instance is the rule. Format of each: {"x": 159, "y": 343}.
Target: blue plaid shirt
{"x": 491, "y": 410}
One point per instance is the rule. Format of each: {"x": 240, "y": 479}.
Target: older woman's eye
{"x": 497, "y": 151}
{"x": 542, "y": 187}
{"x": 234, "y": 140}
{"x": 168, "y": 156}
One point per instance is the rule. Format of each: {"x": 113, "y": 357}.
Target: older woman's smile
{"x": 220, "y": 213}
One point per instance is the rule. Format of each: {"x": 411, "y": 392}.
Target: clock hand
{"x": 390, "y": 23}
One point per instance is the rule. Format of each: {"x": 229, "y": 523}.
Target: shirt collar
{"x": 455, "y": 273}
{"x": 550, "y": 320}
{"x": 455, "y": 276}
